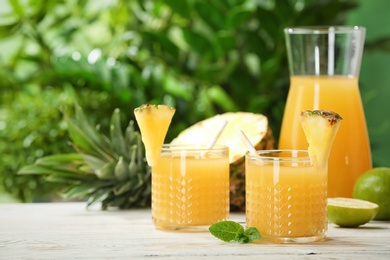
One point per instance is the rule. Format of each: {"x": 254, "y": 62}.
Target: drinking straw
{"x": 216, "y": 135}
{"x": 251, "y": 149}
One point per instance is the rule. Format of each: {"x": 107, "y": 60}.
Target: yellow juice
{"x": 190, "y": 191}
{"x": 286, "y": 201}
{"x": 350, "y": 156}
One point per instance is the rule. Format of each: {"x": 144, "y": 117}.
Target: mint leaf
{"x": 232, "y": 231}
{"x": 252, "y": 234}
{"x": 226, "y": 230}
{"x": 241, "y": 238}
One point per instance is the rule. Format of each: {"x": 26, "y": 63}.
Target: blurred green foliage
{"x": 202, "y": 57}
{"x": 374, "y": 81}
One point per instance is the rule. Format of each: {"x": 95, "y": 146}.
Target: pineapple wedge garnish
{"x": 153, "y": 121}
{"x": 320, "y": 128}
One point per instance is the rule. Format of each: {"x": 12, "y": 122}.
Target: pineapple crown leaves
{"x": 108, "y": 168}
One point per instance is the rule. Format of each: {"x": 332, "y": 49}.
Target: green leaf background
{"x": 202, "y": 57}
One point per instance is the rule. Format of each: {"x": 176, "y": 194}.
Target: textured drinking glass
{"x": 190, "y": 187}
{"x": 286, "y": 196}
{"x": 324, "y": 67}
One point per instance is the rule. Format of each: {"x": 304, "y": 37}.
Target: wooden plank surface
{"x": 70, "y": 231}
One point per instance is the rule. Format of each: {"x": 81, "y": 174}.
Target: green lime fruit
{"x": 348, "y": 212}
{"x": 374, "y": 186}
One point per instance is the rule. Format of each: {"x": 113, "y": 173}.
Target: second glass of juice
{"x": 190, "y": 187}
{"x": 286, "y": 196}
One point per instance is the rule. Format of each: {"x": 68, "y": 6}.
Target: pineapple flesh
{"x": 320, "y": 128}
{"x": 153, "y": 121}
{"x": 255, "y": 127}
{"x": 258, "y": 132}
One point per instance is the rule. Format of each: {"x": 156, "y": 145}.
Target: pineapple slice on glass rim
{"x": 153, "y": 122}
{"x": 320, "y": 128}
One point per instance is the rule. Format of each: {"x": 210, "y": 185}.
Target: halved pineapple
{"x": 320, "y": 128}
{"x": 153, "y": 121}
{"x": 255, "y": 127}
{"x": 258, "y": 132}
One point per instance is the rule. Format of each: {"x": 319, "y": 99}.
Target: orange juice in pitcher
{"x": 324, "y": 67}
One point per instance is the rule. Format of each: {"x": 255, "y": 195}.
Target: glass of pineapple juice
{"x": 286, "y": 196}
{"x": 190, "y": 187}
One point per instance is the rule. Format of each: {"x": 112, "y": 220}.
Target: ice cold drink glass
{"x": 190, "y": 187}
{"x": 286, "y": 196}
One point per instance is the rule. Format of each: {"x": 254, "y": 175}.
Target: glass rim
{"x": 323, "y": 29}
{"x": 261, "y": 155}
{"x": 193, "y": 147}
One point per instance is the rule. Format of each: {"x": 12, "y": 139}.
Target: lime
{"x": 348, "y": 212}
{"x": 374, "y": 186}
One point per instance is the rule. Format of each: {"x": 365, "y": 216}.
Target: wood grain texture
{"x": 70, "y": 231}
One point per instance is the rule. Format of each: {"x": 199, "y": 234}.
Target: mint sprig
{"x": 232, "y": 231}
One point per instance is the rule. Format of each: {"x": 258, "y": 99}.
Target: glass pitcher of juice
{"x": 324, "y": 65}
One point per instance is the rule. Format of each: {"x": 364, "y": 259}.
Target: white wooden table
{"x": 70, "y": 231}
